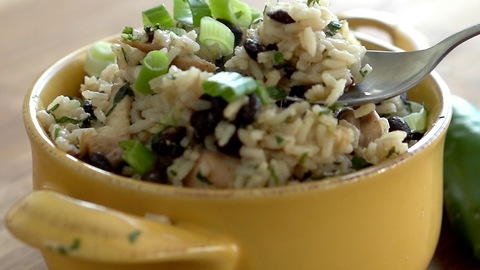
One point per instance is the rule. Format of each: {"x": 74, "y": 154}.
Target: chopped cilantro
{"x": 333, "y": 27}
{"x": 127, "y": 34}
{"x": 66, "y": 249}
{"x": 324, "y": 111}
{"x": 55, "y": 107}
{"x": 274, "y": 174}
{"x": 303, "y": 158}
{"x": 124, "y": 91}
{"x": 173, "y": 172}
{"x": 202, "y": 178}
{"x": 278, "y": 59}
{"x": 363, "y": 72}
{"x": 279, "y": 139}
{"x": 276, "y": 92}
{"x": 359, "y": 163}
{"x": 391, "y": 152}
{"x": 64, "y": 119}
{"x": 133, "y": 236}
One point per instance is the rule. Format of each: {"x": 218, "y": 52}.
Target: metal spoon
{"x": 395, "y": 72}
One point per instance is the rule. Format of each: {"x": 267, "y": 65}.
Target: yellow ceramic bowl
{"x": 383, "y": 217}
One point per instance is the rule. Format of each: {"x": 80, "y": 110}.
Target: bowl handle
{"x": 61, "y": 226}
{"x": 402, "y": 34}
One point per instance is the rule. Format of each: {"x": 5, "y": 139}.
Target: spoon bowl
{"x": 395, "y": 72}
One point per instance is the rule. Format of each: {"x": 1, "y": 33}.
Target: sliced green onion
{"x": 139, "y": 157}
{"x": 214, "y": 32}
{"x": 154, "y": 64}
{"x": 182, "y": 12}
{"x": 158, "y": 15}
{"x": 255, "y": 13}
{"x": 99, "y": 56}
{"x": 190, "y": 12}
{"x": 262, "y": 93}
{"x": 417, "y": 120}
{"x": 234, "y": 11}
{"x": 229, "y": 85}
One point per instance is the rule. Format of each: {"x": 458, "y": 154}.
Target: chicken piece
{"x": 105, "y": 141}
{"x": 213, "y": 170}
{"x": 369, "y": 125}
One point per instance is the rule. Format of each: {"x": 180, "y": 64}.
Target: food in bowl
{"x": 203, "y": 99}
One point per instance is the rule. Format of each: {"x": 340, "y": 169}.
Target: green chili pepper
{"x": 462, "y": 173}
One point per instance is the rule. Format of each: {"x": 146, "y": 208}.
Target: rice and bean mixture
{"x": 179, "y": 131}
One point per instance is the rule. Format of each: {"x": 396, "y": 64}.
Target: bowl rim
{"x": 36, "y": 132}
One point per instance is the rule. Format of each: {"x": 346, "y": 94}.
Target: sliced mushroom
{"x": 369, "y": 125}
{"x": 143, "y": 46}
{"x": 213, "y": 170}
{"x": 184, "y": 62}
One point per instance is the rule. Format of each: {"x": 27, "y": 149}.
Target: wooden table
{"x": 34, "y": 34}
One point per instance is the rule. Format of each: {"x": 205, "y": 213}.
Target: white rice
{"x": 284, "y": 145}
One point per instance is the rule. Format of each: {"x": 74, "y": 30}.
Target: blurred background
{"x": 34, "y": 34}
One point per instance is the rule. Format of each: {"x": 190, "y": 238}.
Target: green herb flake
{"x": 312, "y": 2}
{"x": 274, "y": 174}
{"x": 278, "y": 59}
{"x": 279, "y": 139}
{"x": 303, "y": 158}
{"x": 66, "y": 119}
{"x": 124, "y": 91}
{"x": 54, "y": 108}
{"x": 392, "y": 151}
{"x": 324, "y": 111}
{"x": 363, "y": 72}
{"x": 408, "y": 106}
{"x": 173, "y": 172}
{"x": 56, "y": 133}
{"x": 202, "y": 178}
{"x": 333, "y": 27}
{"x": 276, "y": 92}
{"x": 359, "y": 163}
{"x": 63, "y": 119}
{"x": 127, "y": 34}
{"x": 127, "y": 30}
{"x": 133, "y": 236}
{"x": 66, "y": 249}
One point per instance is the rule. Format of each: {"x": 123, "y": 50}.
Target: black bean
{"x": 167, "y": 142}
{"x": 100, "y": 161}
{"x": 272, "y": 47}
{"x": 233, "y": 146}
{"x": 88, "y": 107}
{"x": 416, "y": 135}
{"x": 204, "y": 122}
{"x": 298, "y": 91}
{"x": 398, "y": 123}
{"x": 249, "y": 112}
{"x": 289, "y": 69}
{"x": 253, "y": 48}
{"x": 237, "y": 31}
{"x": 280, "y": 16}
{"x": 295, "y": 91}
